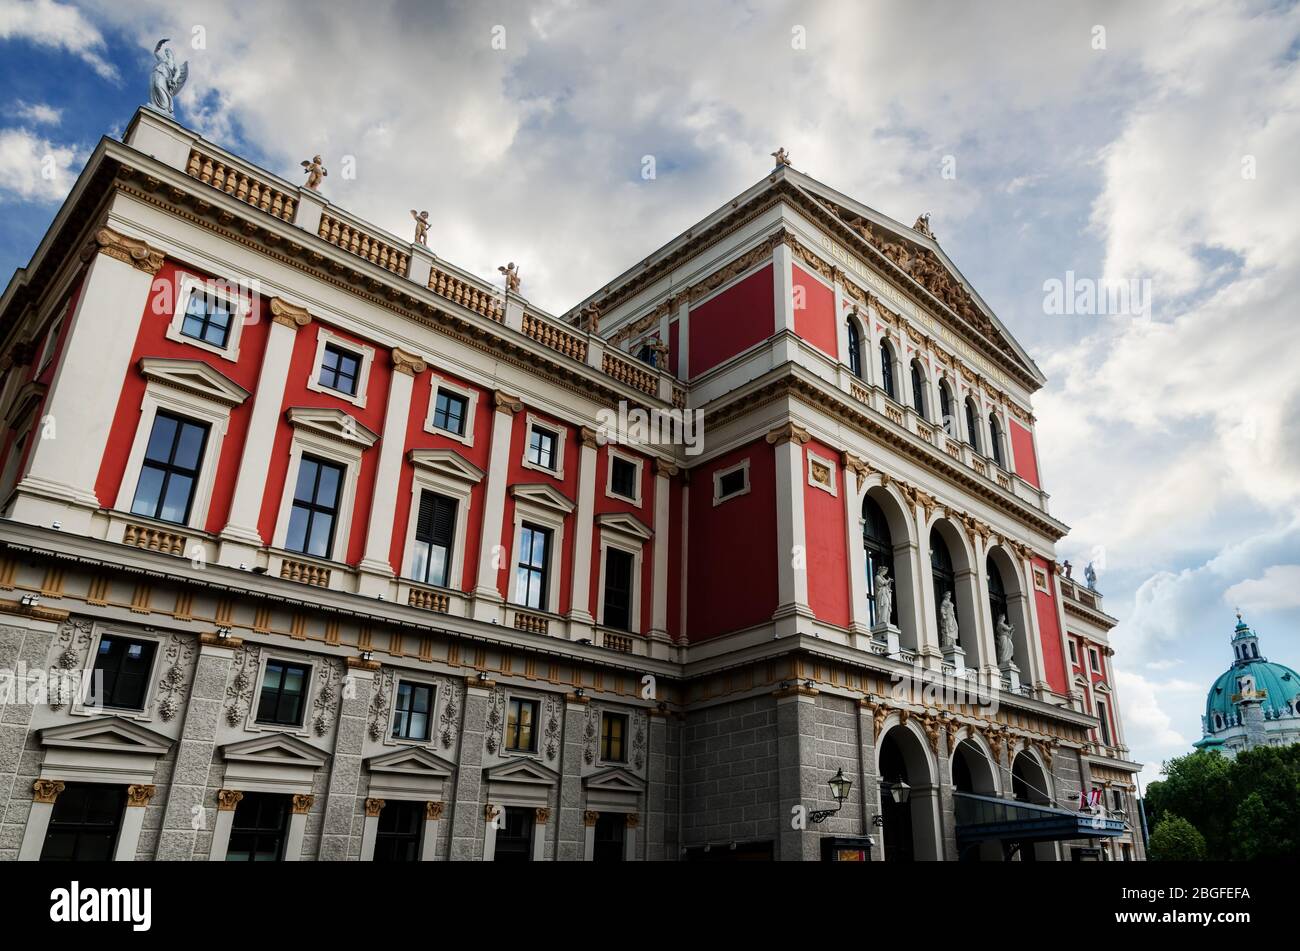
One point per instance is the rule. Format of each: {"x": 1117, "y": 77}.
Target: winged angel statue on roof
{"x": 167, "y": 79}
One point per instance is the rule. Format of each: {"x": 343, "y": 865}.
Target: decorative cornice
{"x": 288, "y": 315}
{"x": 407, "y": 363}
{"x": 47, "y": 790}
{"x": 128, "y": 250}
{"x": 37, "y": 613}
{"x": 505, "y": 403}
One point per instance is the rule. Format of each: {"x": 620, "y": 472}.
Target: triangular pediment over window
{"x": 103, "y": 750}
{"x": 194, "y": 377}
{"x": 107, "y": 733}
{"x": 275, "y": 748}
{"x": 446, "y": 463}
{"x": 412, "y": 761}
{"x": 624, "y": 523}
{"x": 615, "y": 788}
{"x": 522, "y": 770}
{"x": 543, "y": 495}
{"x": 274, "y": 762}
{"x": 332, "y": 424}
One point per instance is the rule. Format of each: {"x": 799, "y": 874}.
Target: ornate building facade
{"x": 1255, "y": 702}
{"x": 316, "y": 546}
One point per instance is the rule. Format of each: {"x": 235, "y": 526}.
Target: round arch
{"x": 1017, "y": 606}
{"x": 902, "y": 538}
{"x": 965, "y": 588}
{"x": 910, "y": 831}
{"x": 1031, "y": 782}
{"x": 887, "y": 357}
{"x": 974, "y": 770}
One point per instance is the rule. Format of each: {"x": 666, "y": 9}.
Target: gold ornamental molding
{"x": 128, "y": 250}
{"x": 789, "y": 431}
{"x": 302, "y": 803}
{"x": 139, "y": 794}
{"x": 47, "y": 790}
{"x": 228, "y": 799}
{"x": 505, "y": 403}
{"x": 589, "y": 817}
{"x": 665, "y": 468}
{"x": 433, "y": 810}
{"x": 374, "y": 807}
{"x": 633, "y": 819}
{"x": 543, "y": 815}
{"x": 288, "y": 315}
{"x": 407, "y": 363}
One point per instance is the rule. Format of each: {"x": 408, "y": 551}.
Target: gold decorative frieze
{"x": 128, "y": 250}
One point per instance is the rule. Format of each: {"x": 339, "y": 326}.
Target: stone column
{"x": 429, "y": 841}
{"x": 227, "y": 802}
{"x": 370, "y": 828}
{"x": 796, "y": 760}
{"x": 659, "y": 578}
{"x": 128, "y": 836}
{"x": 240, "y": 539}
{"x": 868, "y": 777}
{"x": 792, "y": 582}
{"x": 783, "y": 288}
{"x": 344, "y": 784}
{"x": 376, "y": 563}
{"x": 301, "y": 804}
{"x": 859, "y": 608}
{"x": 541, "y": 816}
{"x": 1036, "y": 674}
{"x": 467, "y": 803}
{"x": 947, "y": 806}
{"x": 487, "y": 596}
{"x": 583, "y": 529}
{"x": 985, "y": 632}
{"x": 188, "y": 813}
{"x": 60, "y": 480}
{"x": 570, "y": 844}
{"x": 927, "y": 624}
{"x": 44, "y": 794}
{"x": 589, "y": 819}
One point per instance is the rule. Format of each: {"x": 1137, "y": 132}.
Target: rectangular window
{"x": 613, "y": 730}
{"x": 731, "y": 482}
{"x": 339, "y": 369}
{"x": 611, "y": 829}
{"x": 315, "y": 507}
{"x": 207, "y": 318}
{"x": 520, "y": 720}
{"x": 622, "y": 479}
{"x": 431, "y": 560}
{"x": 84, "y": 824}
{"x": 618, "y": 589}
{"x": 122, "y": 668}
{"x": 1096, "y": 660}
{"x": 1074, "y": 653}
{"x": 171, "y": 469}
{"x": 284, "y": 689}
{"x": 1105, "y": 722}
{"x": 514, "y": 841}
{"x": 261, "y": 824}
{"x": 411, "y": 711}
{"x": 541, "y": 447}
{"x": 397, "y": 835}
{"x": 449, "y": 412}
{"x": 531, "y": 572}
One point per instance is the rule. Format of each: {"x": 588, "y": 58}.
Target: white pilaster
{"x": 783, "y": 288}
{"x": 659, "y": 577}
{"x": 429, "y": 841}
{"x": 227, "y": 801}
{"x": 791, "y": 542}
{"x": 684, "y": 338}
{"x": 240, "y": 539}
{"x": 376, "y": 566}
{"x": 583, "y": 529}
{"x": 44, "y": 793}
{"x": 984, "y": 623}
{"x": 297, "y": 828}
{"x": 128, "y": 836}
{"x": 487, "y": 597}
{"x": 927, "y": 624}
{"x": 859, "y": 608}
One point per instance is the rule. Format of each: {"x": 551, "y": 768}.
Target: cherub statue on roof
{"x": 923, "y": 225}
{"x": 512, "y": 277}
{"x": 782, "y": 157}
{"x": 167, "y": 79}
{"x": 421, "y": 227}
{"x": 315, "y": 172}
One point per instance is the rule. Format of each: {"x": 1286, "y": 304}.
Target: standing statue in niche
{"x": 167, "y": 79}
{"x": 1006, "y": 642}
{"x": 1090, "y": 576}
{"x": 948, "y": 622}
{"x": 884, "y": 596}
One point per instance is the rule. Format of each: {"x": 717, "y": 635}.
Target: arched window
{"x": 972, "y": 425}
{"x": 887, "y": 370}
{"x": 997, "y": 594}
{"x": 918, "y": 389}
{"x": 945, "y": 409}
{"x": 941, "y": 570}
{"x": 855, "y": 348}
{"x": 879, "y": 546}
{"x": 995, "y": 435}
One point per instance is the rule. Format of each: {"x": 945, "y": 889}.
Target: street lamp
{"x": 840, "y": 786}
{"x": 898, "y": 792}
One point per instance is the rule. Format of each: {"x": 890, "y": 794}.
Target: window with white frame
{"x": 122, "y": 672}
{"x": 1095, "y": 659}
{"x": 315, "y": 515}
{"x": 623, "y": 476}
{"x": 413, "y": 710}
{"x": 544, "y": 447}
{"x": 1074, "y": 652}
{"x": 282, "y": 700}
{"x": 451, "y": 411}
{"x": 341, "y": 368}
{"x": 535, "y": 560}
{"x": 441, "y": 491}
{"x": 172, "y": 466}
{"x": 622, "y": 543}
{"x": 209, "y": 315}
{"x": 731, "y": 482}
{"x": 822, "y": 473}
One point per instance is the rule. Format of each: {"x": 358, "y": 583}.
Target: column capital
{"x": 407, "y": 363}
{"x": 589, "y": 817}
{"x": 433, "y": 810}
{"x": 543, "y": 815}
{"x": 302, "y": 803}
{"x": 633, "y": 820}
{"x": 288, "y": 315}
{"x": 590, "y": 438}
{"x": 139, "y": 794}
{"x": 126, "y": 249}
{"x": 788, "y": 431}
{"x": 665, "y": 468}
{"x": 505, "y": 403}
{"x": 228, "y": 799}
{"x": 374, "y": 807}
{"x": 47, "y": 790}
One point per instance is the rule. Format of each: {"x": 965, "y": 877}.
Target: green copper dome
{"x": 1276, "y": 685}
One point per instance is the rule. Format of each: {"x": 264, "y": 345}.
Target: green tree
{"x": 1176, "y": 840}
{"x": 1197, "y": 787}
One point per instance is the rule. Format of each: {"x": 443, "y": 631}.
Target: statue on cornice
{"x": 315, "y": 172}
{"x": 948, "y": 623}
{"x": 1006, "y": 640}
{"x": 923, "y": 225}
{"x": 511, "y": 273}
{"x": 884, "y": 596}
{"x": 1090, "y": 576}
{"x": 421, "y": 227}
{"x": 167, "y": 79}
{"x": 782, "y": 158}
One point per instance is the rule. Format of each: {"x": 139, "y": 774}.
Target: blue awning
{"x": 984, "y": 818}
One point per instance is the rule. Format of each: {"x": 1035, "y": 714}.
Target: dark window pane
{"x": 610, "y": 830}
{"x": 520, "y": 717}
{"x": 618, "y": 588}
{"x": 397, "y": 834}
{"x": 84, "y": 823}
{"x": 165, "y": 489}
{"x": 283, "y": 687}
{"x": 623, "y": 477}
{"x": 731, "y": 483}
{"x": 514, "y": 842}
{"x": 259, "y": 829}
{"x": 122, "y": 669}
{"x": 315, "y": 505}
{"x": 449, "y": 413}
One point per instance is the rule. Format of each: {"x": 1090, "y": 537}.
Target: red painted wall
{"x": 151, "y": 341}
{"x": 296, "y": 393}
{"x": 732, "y": 322}
{"x": 732, "y": 563}
{"x": 1050, "y": 631}
{"x": 417, "y": 437}
{"x": 815, "y": 320}
{"x": 828, "y": 577}
{"x": 676, "y": 552}
{"x": 1022, "y": 444}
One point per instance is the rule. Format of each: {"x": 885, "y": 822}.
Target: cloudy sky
{"x": 1154, "y": 142}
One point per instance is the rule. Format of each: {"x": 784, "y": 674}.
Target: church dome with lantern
{"x": 1255, "y": 702}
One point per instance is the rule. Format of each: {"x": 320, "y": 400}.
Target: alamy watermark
{"x": 1092, "y": 297}
{"x": 634, "y": 425}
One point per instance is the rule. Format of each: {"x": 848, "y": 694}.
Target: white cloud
{"x": 38, "y": 113}
{"x": 1278, "y": 589}
{"x": 1148, "y": 728}
{"x": 59, "y": 25}
{"x": 34, "y": 169}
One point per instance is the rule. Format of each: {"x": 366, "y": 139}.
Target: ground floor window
{"x": 610, "y": 829}
{"x": 260, "y": 827}
{"x": 84, "y": 823}
{"x": 397, "y": 838}
{"x": 515, "y": 837}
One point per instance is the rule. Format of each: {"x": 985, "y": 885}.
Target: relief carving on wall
{"x": 177, "y": 658}
{"x": 327, "y": 696}
{"x": 450, "y": 715}
{"x": 71, "y": 644}
{"x": 552, "y": 731}
{"x": 639, "y": 724}
{"x": 589, "y": 734}
{"x": 240, "y": 692}
{"x": 494, "y": 726}
{"x": 379, "y": 712}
